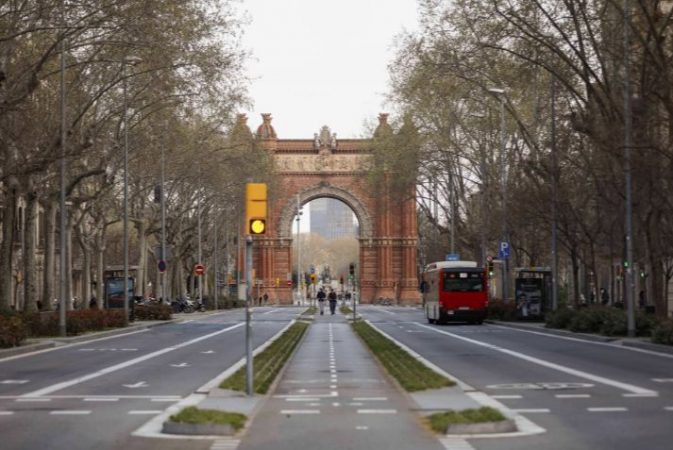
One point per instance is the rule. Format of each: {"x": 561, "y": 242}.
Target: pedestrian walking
{"x": 332, "y": 301}
{"x": 321, "y": 301}
{"x": 605, "y": 297}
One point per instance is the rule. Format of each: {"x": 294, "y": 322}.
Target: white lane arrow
{"x": 139, "y": 384}
{"x": 180, "y": 365}
{"x": 14, "y": 381}
{"x": 208, "y": 352}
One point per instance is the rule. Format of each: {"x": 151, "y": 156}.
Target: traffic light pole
{"x": 248, "y": 329}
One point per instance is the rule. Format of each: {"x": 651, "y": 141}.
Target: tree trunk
{"x": 49, "y": 256}
{"x": 30, "y": 269}
{"x": 86, "y": 270}
{"x": 576, "y": 277}
{"x": 100, "y": 268}
{"x": 68, "y": 263}
{"x": 141, "y": 228}
{"x": 7, "y": 250}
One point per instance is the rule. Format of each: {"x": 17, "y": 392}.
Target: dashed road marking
{"x": 14, "y": 381}
{"x": 165, "y": 399}
{"x": 38, "y": 399}
{"x": 452, "y": 443}
{"x": 361, "y": 427}
{"x": 531, "y": 411}
{"x": 377, "y": 411}
{"x": 572, "y": 395}
{"x": 668, "y": 408}
{"x": 303, "y": 399}
{"x": 230, "y": 444}
{"x": 70, "y": 412}
{"x": 654, "y": 394}
{"x": 6, "y": 413}
{"x": 662, "y": 380}
{"x": 299, "y": 411}
{"x": 101, "y": 399}
{"x": 608, "y": 409}
{"x": 356, "y": 403}
{"x": 506, "y": 397}
{"x": 147, "y": 411}
{"x": 370, "y": 399}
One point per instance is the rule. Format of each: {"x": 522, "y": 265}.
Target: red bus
{"x": 455, "y": 291}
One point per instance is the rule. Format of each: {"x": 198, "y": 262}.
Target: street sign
{"x": 199, "y": 269}
{"x": 453, "y": 257}
{"x": 162, "y": 266}
{"x": 503, "y": 251}
{"x": 312, "y": 268}
{"x": 289, "y": 282}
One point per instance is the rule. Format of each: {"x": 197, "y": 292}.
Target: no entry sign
{"x": 199, "y": 269}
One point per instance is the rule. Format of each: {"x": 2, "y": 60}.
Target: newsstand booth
{"x": 533, "y": 288}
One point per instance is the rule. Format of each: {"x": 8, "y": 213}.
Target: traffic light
{"x": 489, "y": 266}
{"x": 255, "y": 208}
{"x": 351, "y": 269}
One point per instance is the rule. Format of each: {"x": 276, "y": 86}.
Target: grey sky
{"x": 322, "y": 62}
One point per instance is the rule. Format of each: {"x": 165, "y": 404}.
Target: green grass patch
{"x": 345, "y": 310}
{"x": 195, "y": 415}
{"x": 408, "y": 371}
{"x": 311, "y": 310}
{"x": 268, "y": 363}
{"x": 439, "y": 421}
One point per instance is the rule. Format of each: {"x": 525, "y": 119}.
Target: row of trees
{"x": 562, "y": 67}
{"x": 173, "y": 68}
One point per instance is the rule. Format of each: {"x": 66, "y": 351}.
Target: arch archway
{"x": 307, "y": 169}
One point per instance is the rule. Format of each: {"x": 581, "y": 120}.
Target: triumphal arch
{"x": 325, "y": 166}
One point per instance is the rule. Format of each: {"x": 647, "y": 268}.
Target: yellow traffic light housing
{"x": 255, "y": 208}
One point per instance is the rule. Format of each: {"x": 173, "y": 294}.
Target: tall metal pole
{"x": 216, "y": 267}
{"x": 299, "y": 277}
{"x": 198, "y": 257}
{"x": 162, "y": 275}
{"x": 248, "y": 329}
{"x": 126, "y": 200}
{"x": 238, "y": 255}
{"x": 554, "y": 201}
{"x": 503, "y": 162}
{"x": 628, "y": 285}
{"x": 62, "y": 225}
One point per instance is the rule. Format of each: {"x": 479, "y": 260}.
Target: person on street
{"x": 332, "y": 301}
{"x": 605, "y": 297}
{"x": 321, "y": 301}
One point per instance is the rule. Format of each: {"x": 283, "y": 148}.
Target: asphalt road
{"x": 586, "y": 395}
{"x": 93, "y": 395}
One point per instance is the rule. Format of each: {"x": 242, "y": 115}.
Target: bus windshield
{"x": 463, "y": 282}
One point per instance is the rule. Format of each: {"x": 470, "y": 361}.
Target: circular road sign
{"x": 162, "y": 266}
{"x": 289, "y": 282}
{"x": 199, "y": 269}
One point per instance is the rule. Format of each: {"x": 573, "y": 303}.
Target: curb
{"x": 584, "y": 336}
{"x": 649, "y": 346}
{"x": 502, "y": 426}
{"x": 198, "y": 429}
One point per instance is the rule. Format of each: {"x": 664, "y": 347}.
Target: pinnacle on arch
{"x": 384, "y": 128}
{"x": 241, "y": 129}
{"x": 265, "y": 130}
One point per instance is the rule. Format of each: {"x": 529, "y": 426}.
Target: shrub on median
{"x": 194, "y": 415}
{"x": 77, "y": 322}
{"x": 560, "y": 318}
{"x": 499, "y": 310}
{"x": 12, "y": 330}
{"x": 662, "y": 333}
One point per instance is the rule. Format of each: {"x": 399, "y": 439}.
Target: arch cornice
{"x": 325, "y": 190}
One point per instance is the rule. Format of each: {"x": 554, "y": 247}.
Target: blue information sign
{"x": 453, "y": 257}
{"x": 503, "y": 251}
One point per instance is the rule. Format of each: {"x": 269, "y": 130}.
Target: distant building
{"x": 332, "y": 219}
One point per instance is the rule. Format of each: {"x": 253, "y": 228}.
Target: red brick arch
{"x": 327, "y": 167}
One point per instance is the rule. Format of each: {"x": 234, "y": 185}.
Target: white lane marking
{"x": 6, "y": 413}
{"x": 19, "y": 398}
{"x": 70, "y": 412}
{"x": 131, "y": 362}
{"x": 314, "y": 404}
{"x": 668, "y": 408}
{"x": 356, "y": 403}
{"x": 208, "y": 352}
{"x": 506, "y": 397}
{"x": 146, "y": 411}
{"x": 332, "y": 386}
{"x": 584, "y": 341}
{"x": 269, "y": 312}
{"x": 662, "y": 380}
{"x": 164, "y": 399}
{"x": 531, "y": 410}
{"x": 305, "y": 399}
{"x": 362, "y": 427}
{"x": 187, "y": 321}
{"x": 370, "y": 399}
{"x": 452, "y": 443}
{"x": 331, "y": 394}
{"x": 180, "y": 365}
{"x": 101, "y": 399}
{"x": 578, "y": 373}
{"x": 14, "y": 381}
{"x": 377, "y": 411}
{"x": 139, "y": 384}
{"x": 300, "y": 411}
{"x": 388, "y": 312}
{"x": 572, "y": 395}
{"x": 33, "y": 400}
{"x": 231, "y": 444}
{"x": 336, "y": 404}
{"x": 641, "y": 395}
{"x": 608, "y": 409}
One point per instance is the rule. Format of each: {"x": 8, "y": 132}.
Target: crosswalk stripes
{"x": 452, "y": 443}
{"x": 225, "y": 444}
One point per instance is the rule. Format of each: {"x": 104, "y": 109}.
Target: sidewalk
{"x": 334, "y": 395}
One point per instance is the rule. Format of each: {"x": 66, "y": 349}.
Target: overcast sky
{"x": 321, "y": 62}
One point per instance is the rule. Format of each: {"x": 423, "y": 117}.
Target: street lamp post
{"x": 500, "y": 93}
{"x": 62, "y": 222}
{"x": 554, "y": 201}
{"x": 628, "y": 282}
{"x": 299, "y": 277}
{"x": 162, "y": 275}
